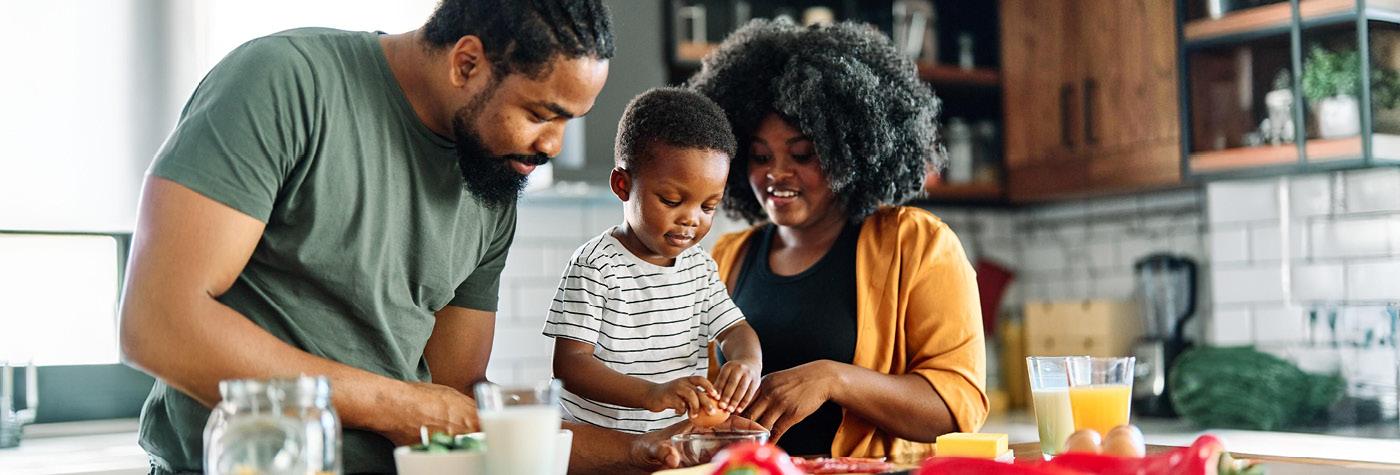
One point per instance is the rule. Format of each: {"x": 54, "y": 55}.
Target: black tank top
{"x": 803, "y": 318}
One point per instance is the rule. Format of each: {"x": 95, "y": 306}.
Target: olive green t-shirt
{"x": 370, "y": 229}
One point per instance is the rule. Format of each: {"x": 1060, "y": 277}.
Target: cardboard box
{"x": 1082, "y": 327}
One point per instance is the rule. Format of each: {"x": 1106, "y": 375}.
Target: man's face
{"x": 517, "y": 123}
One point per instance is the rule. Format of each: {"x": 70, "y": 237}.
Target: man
{"x": 309, "y": 215}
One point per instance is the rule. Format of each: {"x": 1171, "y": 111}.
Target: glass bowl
{"x": 699, "y": 447}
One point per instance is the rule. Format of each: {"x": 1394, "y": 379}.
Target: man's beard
{"x": 489, "y": 177}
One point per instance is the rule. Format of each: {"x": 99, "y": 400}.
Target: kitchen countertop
{"x": 109, "y": 447}
{"x": 1020, "y": 427}
{"x": 96, "y": 448}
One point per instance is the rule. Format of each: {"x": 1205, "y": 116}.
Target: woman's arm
{"x": 903, "y": 405}
{"x": 943, "y": 387}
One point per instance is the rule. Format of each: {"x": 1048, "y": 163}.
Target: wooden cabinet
{"x": 1090, "y": 97}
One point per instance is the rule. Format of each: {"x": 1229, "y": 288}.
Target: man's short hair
{"x": 675, "y": 116}
{"x": 524, "y": 35}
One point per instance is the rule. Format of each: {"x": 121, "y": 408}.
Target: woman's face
{"x": 786, "y": 177}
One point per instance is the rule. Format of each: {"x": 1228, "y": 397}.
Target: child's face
{"x": 670, "y": 202}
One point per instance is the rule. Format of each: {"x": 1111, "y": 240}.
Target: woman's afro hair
{"x": 873, "y": 121}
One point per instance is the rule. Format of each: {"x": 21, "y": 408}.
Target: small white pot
{"x": 1338, "y": 116}
{"x": 471, "y": 463}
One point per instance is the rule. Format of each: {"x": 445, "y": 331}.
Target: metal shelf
{"x": 1383, "y": 147}
{"x": 1276, "y": 20}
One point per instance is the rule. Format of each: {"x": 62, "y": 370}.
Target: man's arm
{"x": 187, "y": 251}
{"x": 599, "y": 450}
{"x": 460, "y": 347}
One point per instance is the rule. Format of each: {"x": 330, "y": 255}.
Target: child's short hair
{"x": 678, "y": 117}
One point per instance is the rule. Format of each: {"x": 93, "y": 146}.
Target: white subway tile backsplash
{"x": 1229, "y": 244}
{"x": 533, "y": 370}
{"x": 1101, "y": 255}
{"x": 1000, "y": 250}
{"x": 1260, "y": 283}
{"x": 533, "y": 297}
{"x": 1190, "y": 245}
{"x": 521, "y": 341}
{"x": 1107, "y": 230}
{"x": 1135, "y": 247}
{"x": 1367, "y": 237}
{"x": 993, "y": 225}
{"x": 1278, "y": 324}
{"x": 1310, "y": 195}
{"x": 1230, "y": 326}
{"x": 1373, "y": 280}
{"x": 1115, "y": 286}
{"x": 1376, "y": 189}
{"x": 1242, "y": 201}
{"x": 550, "y": 221}
{"x": 1265, "y": 243}
{"x": 525, "y": 260}
{"x": 501, "y": 371}
{"x": 605, "y": 214}
{"x": 1319, "y": 282}
{"x": 1045, "y": 256}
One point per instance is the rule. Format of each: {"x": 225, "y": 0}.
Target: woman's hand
{"x": 789, "y": 396}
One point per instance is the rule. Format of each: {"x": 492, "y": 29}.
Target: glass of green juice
{"x": 1050, "y": 386}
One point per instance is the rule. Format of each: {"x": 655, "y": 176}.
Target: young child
{"x": 638, "y": 306}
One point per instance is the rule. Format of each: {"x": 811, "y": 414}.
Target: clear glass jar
{"x": 279, "y": 426}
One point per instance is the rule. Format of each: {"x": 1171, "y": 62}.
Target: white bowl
{"x": 470, "y": 463}
{"x": 457, "y": 462}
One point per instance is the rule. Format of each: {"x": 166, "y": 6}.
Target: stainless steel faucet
{"x": 11, "y": 421}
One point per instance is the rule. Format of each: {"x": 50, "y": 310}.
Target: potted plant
{"x": 1331, "y": 82}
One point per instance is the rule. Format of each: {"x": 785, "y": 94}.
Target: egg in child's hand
{"x": 1083, "y": 440}
{"x": 705, "y": 420}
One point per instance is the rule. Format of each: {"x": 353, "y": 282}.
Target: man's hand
{"x": 692, "y": 394}
{"x": 437, "y": 407}
{"x": 738, "y": 383}
{"x": 653, "y": 451}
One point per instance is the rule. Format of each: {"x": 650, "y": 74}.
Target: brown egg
{"x": 1124, "y": 441}
{"x": 1083, "y": 440}
{"x": 704, "y": 420}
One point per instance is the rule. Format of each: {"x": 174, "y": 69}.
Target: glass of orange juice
{"x": 1050, "y": 378}
{"x": 1100, "y": 393}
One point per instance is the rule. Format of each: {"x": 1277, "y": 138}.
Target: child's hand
{"x": 738, "y": 384}
{"x": 693, "y": 395}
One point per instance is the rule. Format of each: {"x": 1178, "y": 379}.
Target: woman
{"x": 868, "y": 314}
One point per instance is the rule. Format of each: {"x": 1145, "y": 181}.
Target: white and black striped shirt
{"x": 642, "y": 319}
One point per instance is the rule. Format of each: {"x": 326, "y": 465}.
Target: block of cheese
{"x": 963, "y": 444}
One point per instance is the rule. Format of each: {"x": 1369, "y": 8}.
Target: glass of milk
{"x": 521, "y": 424}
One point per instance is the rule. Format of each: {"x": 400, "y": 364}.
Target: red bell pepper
{"x": 1206, "y": 456}
{"x": 753, "y": 458}
{"x": 1201, "y": 458}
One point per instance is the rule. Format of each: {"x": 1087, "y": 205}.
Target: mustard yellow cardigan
{"x": 917, "y": 311}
